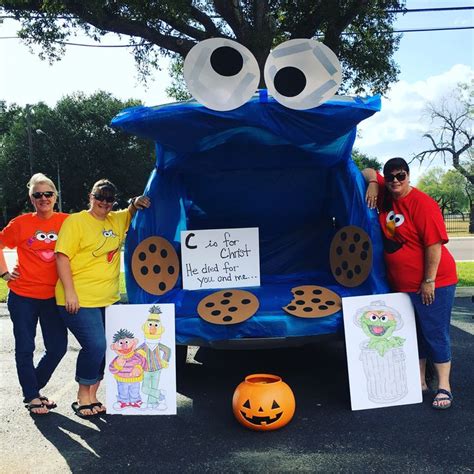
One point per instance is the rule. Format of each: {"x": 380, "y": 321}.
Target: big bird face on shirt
{"x": 42, "y": 244}
{"x": 109, "y": 245}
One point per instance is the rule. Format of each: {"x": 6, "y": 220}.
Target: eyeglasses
{"x": 391, "y": 177}
{"x": 101, "y": 198}
{"x": 46, "y": 194}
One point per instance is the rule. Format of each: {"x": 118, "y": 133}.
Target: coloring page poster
{"x": 382, "y": 351}
{"x": 140, "y": 368}
{"x": 220, "y": 258}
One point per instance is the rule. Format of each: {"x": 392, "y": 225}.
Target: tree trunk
{"x": 471, "y": 220}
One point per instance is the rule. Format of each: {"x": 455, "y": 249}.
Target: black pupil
{"x": 289, "y": 81}
{"x": 226, "y": 61}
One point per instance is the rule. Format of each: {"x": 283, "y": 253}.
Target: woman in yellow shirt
{"x": 88, "y": 261}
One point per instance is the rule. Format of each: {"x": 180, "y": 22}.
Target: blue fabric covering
{"x": 287, "y": 172}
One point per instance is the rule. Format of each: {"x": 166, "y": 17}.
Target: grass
{"x": 465, "y": 275}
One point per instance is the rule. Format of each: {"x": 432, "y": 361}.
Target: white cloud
{"x": 398, "y": 128}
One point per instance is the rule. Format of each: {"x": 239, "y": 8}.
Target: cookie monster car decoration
{"x": 278, "y": 162}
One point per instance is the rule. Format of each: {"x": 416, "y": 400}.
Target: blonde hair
{"x": 40, "y": 178}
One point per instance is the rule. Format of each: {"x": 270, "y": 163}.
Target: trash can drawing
{"x": 386, "y": 375}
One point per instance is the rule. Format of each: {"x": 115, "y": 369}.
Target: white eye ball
{"x": 302, "y": 73}
{"x": 107, "y": 233}
{"x": 384, "y": 319}
{"x": 221, "y": 74}
{"x": 52, "y": 236}
{"x": 399, "y": 219}
{"x": 373, "y": 317}
{"x": 41, "y": 236}
{"x": 390, "y": 217}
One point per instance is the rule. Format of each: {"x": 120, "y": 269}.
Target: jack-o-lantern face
{"x": 273, "y": 414}
{"x": 263, "y": 402}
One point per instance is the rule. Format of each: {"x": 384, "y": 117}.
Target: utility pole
{"x": 30, "y": 135}
{"x": 58, "y": 171}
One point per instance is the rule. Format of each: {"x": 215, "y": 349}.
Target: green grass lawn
{"x": 465, "y": 275}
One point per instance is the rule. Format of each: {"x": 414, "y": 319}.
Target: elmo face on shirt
{"x": 42, "y": 244}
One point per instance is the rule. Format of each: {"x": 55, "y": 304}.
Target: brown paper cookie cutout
{"x": 311, "y": 301}
{"x": 155, "y": 265}
{"x": 228, "y": 306}
{"x": 350, "y": 256}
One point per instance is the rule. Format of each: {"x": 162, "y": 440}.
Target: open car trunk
{"x": 287, "y": 172}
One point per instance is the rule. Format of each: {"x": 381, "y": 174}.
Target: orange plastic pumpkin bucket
{"x": 263, "y": 402}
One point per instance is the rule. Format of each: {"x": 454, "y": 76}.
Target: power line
{"x": 418, "y": 10}
{"x": 414, "y": 30}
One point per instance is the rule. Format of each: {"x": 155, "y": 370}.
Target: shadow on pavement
{"x": 324, "y": 434}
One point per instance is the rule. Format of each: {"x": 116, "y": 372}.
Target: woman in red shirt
{"x": 31, "y": 296}
{"x": 417, "y": 263}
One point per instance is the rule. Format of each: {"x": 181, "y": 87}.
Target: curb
{"x": 461, "y": 292}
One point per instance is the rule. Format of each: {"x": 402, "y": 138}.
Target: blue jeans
{"x": 25, "y": 313}
{"x": 433, "y": 323}
{"x": 88, "y": 326}
{"x": 128, "y": 392}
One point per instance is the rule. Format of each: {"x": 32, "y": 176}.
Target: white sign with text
{"x": 220, "y": 258}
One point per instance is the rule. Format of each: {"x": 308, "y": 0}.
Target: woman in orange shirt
{"x": 31, "y": 296}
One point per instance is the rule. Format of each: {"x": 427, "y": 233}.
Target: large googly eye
{"x": 41, "y": 235}
{"x": 221, "y": 74}
{"x": 397, "y": 219}
{"x": 302, "y": 73}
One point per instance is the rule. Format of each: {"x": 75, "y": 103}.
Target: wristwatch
{"x": 131, "y": 202}
{"x": 429, "y": 280}
{"x": 4, "y": 274}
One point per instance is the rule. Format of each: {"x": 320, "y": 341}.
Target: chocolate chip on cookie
{"x": 311, "y": 301}
{"x": 350, "y": 256}
{"x": 155, "y": 265}
{"x": 228, "y": 306}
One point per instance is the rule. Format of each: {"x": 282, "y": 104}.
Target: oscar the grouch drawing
{"x": 379, "y": 322}
{"x": 382, "y": 354}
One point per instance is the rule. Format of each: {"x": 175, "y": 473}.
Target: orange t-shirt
{"x": 34, "y": 239}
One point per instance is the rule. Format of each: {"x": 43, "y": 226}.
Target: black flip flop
{"x": 45, "y": 401}
{"x": 32, "y": 406}
{"x": 98, "y": 405}
{"x": 449, "y": 396}
{"x": 78, "y": 408}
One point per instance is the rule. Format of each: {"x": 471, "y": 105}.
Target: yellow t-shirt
{"x": 93, "y": 247}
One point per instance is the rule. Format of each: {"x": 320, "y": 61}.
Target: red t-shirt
{"x": 411, "y": 224}
{"x": 34, "y": 239}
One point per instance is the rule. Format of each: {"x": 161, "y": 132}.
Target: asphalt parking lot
{"x": 324, "y": 435}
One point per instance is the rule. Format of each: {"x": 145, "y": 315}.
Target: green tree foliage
{"x": 445, "y": 187}
{"x": 360, "y": 32}
{"x": 76, "y": 136}
{"x": 363, "y": 160}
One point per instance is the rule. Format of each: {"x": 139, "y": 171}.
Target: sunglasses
{"x": 46, "y": 194}
{"x": 101, "y": 198}
{"x": 391, "y": 177}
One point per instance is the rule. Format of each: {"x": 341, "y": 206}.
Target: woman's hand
{"x": 427, "y": 291}
{"x": 141, "y": 202}
{"x": 72, "y": 302}
{"x": 11, "y": 275}
{"x": 371, "y": 194}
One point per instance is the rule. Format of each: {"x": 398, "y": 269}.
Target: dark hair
{"x": 395, "y": 164}
{"x": 105, "y": 187}
{"x": 123, "y": 334}
{"x": 392, "y": 164}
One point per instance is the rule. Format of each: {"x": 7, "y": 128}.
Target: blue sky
{"x": 431, "y": 64}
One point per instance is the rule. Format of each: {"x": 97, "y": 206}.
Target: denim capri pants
{"x": 88, "y": 326}
{"x": 432, "y": 323}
